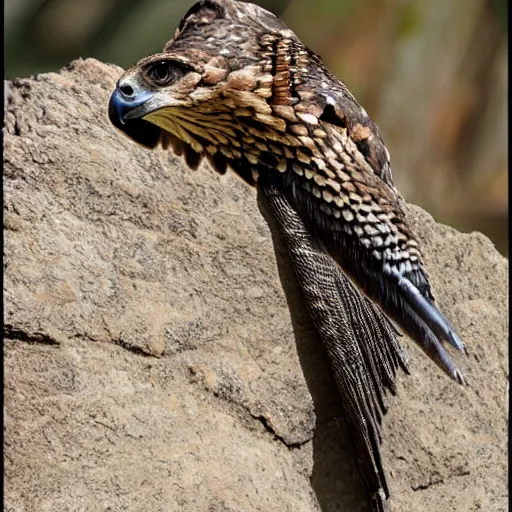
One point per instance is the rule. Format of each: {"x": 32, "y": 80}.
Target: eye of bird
{"x": 165, "y": 72}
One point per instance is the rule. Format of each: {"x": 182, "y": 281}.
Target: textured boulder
{"x": 153, "y": 361}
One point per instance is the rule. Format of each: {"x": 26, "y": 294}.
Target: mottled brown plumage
{"x": 238, "y": 87}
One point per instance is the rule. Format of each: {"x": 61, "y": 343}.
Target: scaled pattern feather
{"x": 237, "y": 87}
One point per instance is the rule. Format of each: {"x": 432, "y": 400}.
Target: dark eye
{"x": 165, "y": 72}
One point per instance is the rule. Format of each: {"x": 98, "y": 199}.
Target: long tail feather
{"x": 361, "y": 343}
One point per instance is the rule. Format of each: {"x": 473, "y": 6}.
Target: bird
{"x": 236, "y": 87}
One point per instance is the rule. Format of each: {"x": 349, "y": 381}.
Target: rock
{"x": 152, "y": 361}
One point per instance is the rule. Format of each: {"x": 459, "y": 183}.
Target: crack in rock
{"x": 277, "y": 437}
{"x": 11, "y": 332}
{"x": 439, "y": 480}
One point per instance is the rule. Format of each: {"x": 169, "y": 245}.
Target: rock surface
{"x": 152, "y": 361}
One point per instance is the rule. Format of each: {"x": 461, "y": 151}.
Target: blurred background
{"x": 432, "y": 74}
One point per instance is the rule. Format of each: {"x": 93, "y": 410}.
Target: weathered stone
{"x": 152, "y": 361}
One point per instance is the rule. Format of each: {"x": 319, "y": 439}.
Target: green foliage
{"x": 500, "y": 7}
{"x": 409, "y": 20}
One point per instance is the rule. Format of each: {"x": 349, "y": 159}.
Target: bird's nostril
{"x": 127, "y": 90}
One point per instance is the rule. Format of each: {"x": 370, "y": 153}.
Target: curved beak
{"x": 125, "y": 112}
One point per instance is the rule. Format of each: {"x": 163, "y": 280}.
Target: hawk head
{"x": 210, "y": 81}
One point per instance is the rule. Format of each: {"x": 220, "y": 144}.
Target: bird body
{"x": 239, "y": 88}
